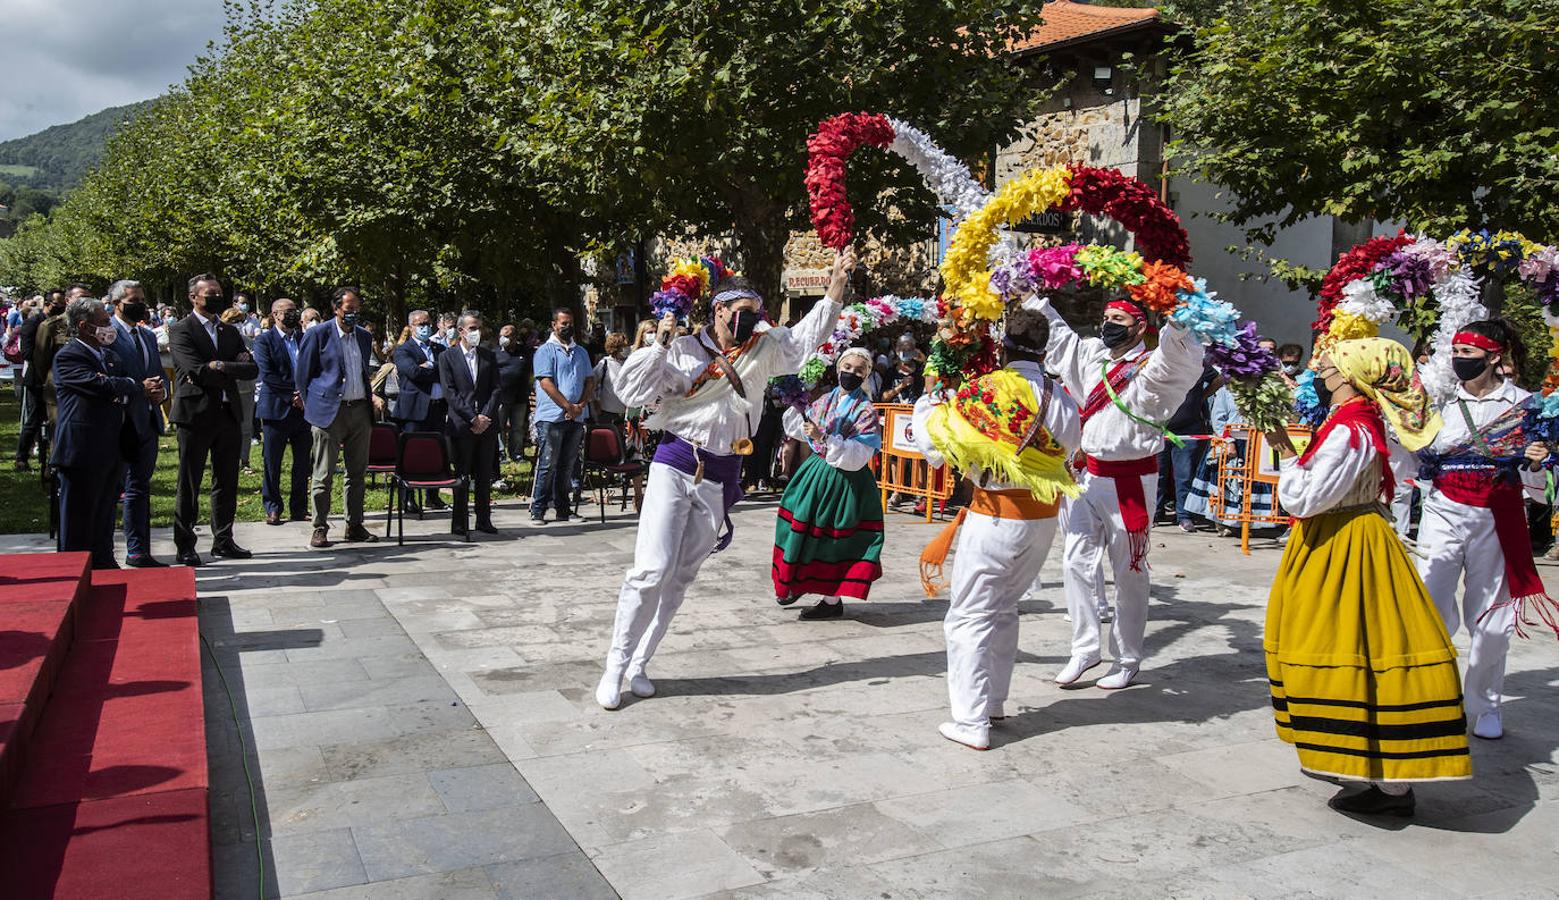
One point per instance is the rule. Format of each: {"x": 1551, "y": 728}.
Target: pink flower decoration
{"x": 1055, "y": 267}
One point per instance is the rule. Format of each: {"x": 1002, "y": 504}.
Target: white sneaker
{"x": 1075, "y": 668}
{"x": 1489, "y": 727}
{"x": 641, "y": 686}
{"x": 974, "y": 738}
{"x": 609, "y": 693}
{"x": 1119, "y": 676}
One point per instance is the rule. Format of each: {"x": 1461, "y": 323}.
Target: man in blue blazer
{"x": 420, "y": 404}
{"x": 335, "y": 377}
{"x": 92, "y": 392}
{"x": 280, "y": 409}
{"x": 136, "y": 347}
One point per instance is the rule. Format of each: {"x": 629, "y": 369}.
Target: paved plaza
{"x": 420, "y": 724}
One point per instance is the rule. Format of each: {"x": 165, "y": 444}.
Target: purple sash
{"x": 725, "y": 471}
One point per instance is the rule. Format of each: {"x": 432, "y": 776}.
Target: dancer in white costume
{"x": 1011, "y": 433}
{"x": 711, "y": 391}
{"x": 1473, "y": 528}
{"x": 1126, "y": 390}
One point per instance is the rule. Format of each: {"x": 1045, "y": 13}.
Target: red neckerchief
{"x": 1362, "y": 417}
{"x": 1118, "y": 377}
{"x": 713, "y": 371}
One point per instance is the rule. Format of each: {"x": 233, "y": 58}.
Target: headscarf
{"x": 862, "y": 352}
{"x": 1382, "y": 370}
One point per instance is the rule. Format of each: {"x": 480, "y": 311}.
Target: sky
{"x": 64, "y": 59}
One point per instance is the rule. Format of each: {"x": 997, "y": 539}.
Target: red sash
{"x": 1480, "y": 488}
{"x": 1127, "y": 475}
{"x": 1118, "y": 377}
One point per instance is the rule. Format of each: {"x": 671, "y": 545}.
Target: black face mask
{"x": 215, "y": 306}
{"x": 850, "y": 381}
{"x": 1115, "y": 335}
{"x": 1323, "y": 393}
{"x": 291, "y": 318}
{"x": 1468, "y": 368}
{"x": 566, "y": 334}
{"x": 135, "y": 312}
{"x": 743, "y": 323}
{"x": 349, "y": 320}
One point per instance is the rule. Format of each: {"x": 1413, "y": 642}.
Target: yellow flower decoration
{"x": 693, "y": 268}
{"x": 966, "y": 273}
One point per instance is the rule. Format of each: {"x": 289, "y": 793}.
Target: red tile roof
{"x": 1067, "y": 22}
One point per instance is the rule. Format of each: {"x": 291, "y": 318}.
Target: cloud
{"x": 65, "y": 59}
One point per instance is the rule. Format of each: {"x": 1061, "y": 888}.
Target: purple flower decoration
{"x": 789, "y": 390}
{"x": 1410, "y": 275}
{"x": 1245, "y": 359}
{"x": 672, "y": 301}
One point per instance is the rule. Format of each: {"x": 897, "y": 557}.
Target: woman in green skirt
{"x": 828, "y": 535}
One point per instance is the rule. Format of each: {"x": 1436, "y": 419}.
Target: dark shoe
{"x": 360, "y": 535}
{"x": 230, "y": 550}
{"x": 321, "y": 538}
{"x": 273, "y": 518}
{"x": 787, "y": 601}
{"x": 413, "y": 508}
{"x": 298, "y": 517}
{"x": 1374, "y": 802}
{"x": 105, "y": 565}
{"x": 823, "y": 610}
{"x": 486, "y": 528}
{"x": 459, "y": 528}
{"x": 436, "y": 505}
{"x": 23, "y": 465}
{"x": 189, "y": 558}
{"x": 145, "y": 562}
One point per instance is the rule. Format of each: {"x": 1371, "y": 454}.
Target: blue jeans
{"x": 138, "y": 500}
{"x": 1177, "y": 467}
{"x": 558, "y": 444}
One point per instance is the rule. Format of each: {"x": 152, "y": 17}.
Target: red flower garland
{"x": 1354, "y": 263}
{"x": 828, "y": 149}
{"x": 1108, "y": 192}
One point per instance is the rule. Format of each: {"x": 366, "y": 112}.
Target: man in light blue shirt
{"x": 565, "y": 383}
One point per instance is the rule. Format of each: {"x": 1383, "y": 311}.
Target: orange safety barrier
{"x": 1238, "y": 473}
{"x": 900, "y": 468}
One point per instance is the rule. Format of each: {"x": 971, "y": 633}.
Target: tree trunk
{"x": 395, "y": 301}
{"x": 761, "y": 241}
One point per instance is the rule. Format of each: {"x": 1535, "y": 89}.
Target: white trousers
{"x": 1402, "y": 510}
{"x": 1098, "y": 583}
{"x": 996, "y": 561}
{"x": 1093, "y": 531}
{"x": 1457, "y": 542}
{"x": 678, "y": 526}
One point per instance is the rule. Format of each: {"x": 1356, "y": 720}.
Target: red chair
{"x": 424, "y": 464}
{"x": 606, "y": 454}
{"x": 384, "y": 450}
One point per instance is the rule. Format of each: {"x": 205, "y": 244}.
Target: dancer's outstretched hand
{"x": 839, "y": 278}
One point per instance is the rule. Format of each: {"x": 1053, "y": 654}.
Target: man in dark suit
{"x": 52, "y": 336}
{"x": 34, "y": 413}
{"x": 136, "y": 347}
{"x": 209, "y": 360}
{"x": 514, "y": 388}
{"x": 91, "y": 393}
{"x": 280, "y": 408}
{"x": 420, "y": 404}
{"x": 335, "y": 377}
{"x": 469, "y": 374}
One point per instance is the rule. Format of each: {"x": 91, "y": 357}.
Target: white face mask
{"x": 473, "y": 336}
{"x": 503, "y": 340}
{"x": 106, "y": 335}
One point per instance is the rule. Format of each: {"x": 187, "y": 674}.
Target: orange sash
{"x": 1012, "y": 504}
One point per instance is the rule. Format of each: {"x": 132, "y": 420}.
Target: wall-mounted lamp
{"x": 1103, "y": 79}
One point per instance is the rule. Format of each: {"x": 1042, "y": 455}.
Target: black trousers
{"x": 88, "y": 495}
{"x": 474, "y": 458}
{"x": 33, "y": 417}
{"x": 276, "y": 436}
{"x": 211, "y": 440}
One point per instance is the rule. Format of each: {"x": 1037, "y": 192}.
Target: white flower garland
{"x": 1458, "y": 294}
{"x": 949, "y": 179}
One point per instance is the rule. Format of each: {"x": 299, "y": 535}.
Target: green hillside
{"x": 57, "y": 158}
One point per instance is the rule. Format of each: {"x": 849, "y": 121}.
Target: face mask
{"x": 1323, "y": 393}
{"x": 105, "y": 335}
{"x": 349, "y": 320}
{"x": 291, "y": 318}
{"x": 566, "y": 333}
{"x": 217, "y": 305}
{"x": 135, "y": 312}
{"x": 849, "y": 381}
{"x": 473, "y": 336}
{"x": 243, "y": 307}
{"x": 1468, "y": 368}
{"x": 503, "y": 340}
{"x": 1292, "y": 368}
{"x": 1115, "y": 335}
{"x": 743, "y": 323}
{"x": 424, "y": 332}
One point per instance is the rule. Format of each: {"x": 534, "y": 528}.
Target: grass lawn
{"x": 17, "y": 171}
{"x": 25, "y": 506}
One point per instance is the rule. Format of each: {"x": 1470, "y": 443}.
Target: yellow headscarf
{"x": 1382, "y": 370}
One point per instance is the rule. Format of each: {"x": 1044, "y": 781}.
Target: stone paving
{"x": 420, "y": 723}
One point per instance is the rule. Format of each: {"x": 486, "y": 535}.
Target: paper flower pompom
{"x": 1055, "y": 267}
{"x": 1159, "y": 290}
{"x": 965, "y": 273}
{"x": 1110, "y": 268}
{"x": 1135, "y": 205}
{"x": 1212, "y": 320}
{"x": 1265, "y": 403}
{"x": 828, "y": 149}
{"x": 1307, "y": 402}
{"x": 812, "y": 371}
{"x": 1245, "y": 359}
{"x": 1347, "y": 327}
{"x": 791, "y": 391}
{"x": 1361, "y": 299}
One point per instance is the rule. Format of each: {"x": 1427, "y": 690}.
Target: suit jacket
{"x": 416, "y": 382}
{"x": 468, "y": 399}
{"x": 28, "y": 344}
{"x": 276, "y": 373}
{"x": 513, "y": 367}
{"x": 143, "y": 418}
{"x": 321, "y": 373}
{"x": 92, "y": 395}
{"x": 200, "y": 391}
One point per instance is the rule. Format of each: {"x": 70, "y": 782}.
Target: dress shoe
{"x": 486, "y": 528}
{"x": 230, "y": 550}
{"x": 459, "y": 529}
{"x": 641, "y": 686}
{"x": 360, "y": 535}
{"x": 787, "y": 600}
{"x": 1489, "y": 727}
{"x": 823, "y": 610}
{"x": 188, "y": 558}
{"x": 436, "y": 505}
{"x": 321, "y": 538}
{"x": 1374, "y": 802}
{"x": 105, "y": 565}
{"x": 273, "y": 518}
{"x": 145, "y": 562}
{"x": 1075, "y": 668}
{"x": 298, "y": 517}
{"x": 1120, "y": 676}
{"x": 973, "y": 738}
{"x": 23, "y": 465}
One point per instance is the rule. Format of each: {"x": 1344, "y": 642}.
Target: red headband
{"x": 1479, "y": 341}
{"x": 1127, "y": 307}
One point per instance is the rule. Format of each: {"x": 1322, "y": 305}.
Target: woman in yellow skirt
{"x": 1363, "y": 673}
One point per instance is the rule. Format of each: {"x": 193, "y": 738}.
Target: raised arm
{"x": 1169, "y": 374}
{"x": 800, "y": 340}
{"x": 1068, "y": 354}
{"x": 656, "y": 371}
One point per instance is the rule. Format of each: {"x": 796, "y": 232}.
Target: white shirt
{"x": 1332, "y": 476}
{"x": 1061, "y": 421}
{"x": 715, "y": 417}
{"x": 1154, "y": 394}
{"x": 352, "y": 361}
{"x": 470, "y": 354}
{"x": 148, "y": 356}
{"x": 607, "y": 371}
{"x": 209, "y": 324}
